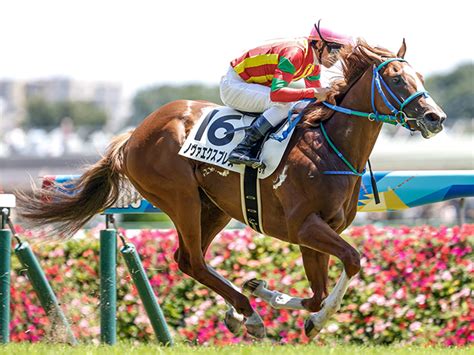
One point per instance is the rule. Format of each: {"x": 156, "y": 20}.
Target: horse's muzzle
{"x": 431, "y": 124}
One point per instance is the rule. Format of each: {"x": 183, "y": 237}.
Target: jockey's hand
{"x": 321, "y": 94}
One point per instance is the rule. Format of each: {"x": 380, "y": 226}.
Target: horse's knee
{"x": 351, "y": 260}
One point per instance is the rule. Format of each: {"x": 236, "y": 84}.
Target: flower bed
{"x": 416, "y": 286}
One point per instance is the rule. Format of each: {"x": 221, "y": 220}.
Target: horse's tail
{"x": 66, "y": 208}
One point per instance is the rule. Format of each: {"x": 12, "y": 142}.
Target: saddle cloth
{"x": 217, "y": 133}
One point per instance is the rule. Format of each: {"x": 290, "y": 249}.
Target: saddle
{"x": 216, "y": 134}
{"x": 220, "y": 129}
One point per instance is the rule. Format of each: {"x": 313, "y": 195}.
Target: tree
{"x": 84, "y": 113}
{"x": 454, "y": 91}
{"x": 43, "y": 114}
{"x": 40, "y": 113}
{"x": 148, "y": 100}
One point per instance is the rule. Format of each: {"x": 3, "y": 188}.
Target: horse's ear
{"x": 402, "y": 50}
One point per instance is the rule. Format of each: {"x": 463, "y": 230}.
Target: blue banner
{"x": 398, "y": 190}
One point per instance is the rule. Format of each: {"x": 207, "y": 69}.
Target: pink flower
{"x": 192, "y": 320}
{"x": 216, "y": 261}
{"x": 446, "y": 276}
{"x": 287, "y": 280}
{"x": 400, "y": 294}
{"x": 365, "y": 307}
{"x": 415, "y": 326}
{"x": 410, "y": 314}
{"x": 377, "y": 299}
{"x": 420, "y": 299}
{"x": 380, "y": 326}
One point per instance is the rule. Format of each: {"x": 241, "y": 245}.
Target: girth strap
{"x": 250, "y": 196}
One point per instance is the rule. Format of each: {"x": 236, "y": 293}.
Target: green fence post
{"x": 5, "y": 251}
{"x": 44, "y": 292}
{"x": 108, "y": 286}
{"x": 147, "y": 296}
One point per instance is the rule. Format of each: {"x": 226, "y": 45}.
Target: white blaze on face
{"x": 408, "y": 70}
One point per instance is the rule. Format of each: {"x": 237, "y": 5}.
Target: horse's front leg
{"x": 317, "y": 241}
{"x": 317, "y": 235}
{"x": 316, "y": 266}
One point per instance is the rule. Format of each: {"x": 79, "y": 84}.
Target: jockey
{"x": 258, "y": 81}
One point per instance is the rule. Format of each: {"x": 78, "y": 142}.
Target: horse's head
{"x": 401, "y": 92}
{"x": 396, "y": 91}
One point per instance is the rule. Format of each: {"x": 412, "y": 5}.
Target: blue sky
{"x": 139, "y": 43}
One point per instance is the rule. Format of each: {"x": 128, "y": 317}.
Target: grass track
{"x": 257, "y": 349}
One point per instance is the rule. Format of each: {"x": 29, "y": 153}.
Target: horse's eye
{"x": 396, "y": 80}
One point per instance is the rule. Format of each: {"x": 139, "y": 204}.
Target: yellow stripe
{"x": 260, "y": 79}
{"x": 306, "y": 72}
{"x": 310, "y": 70}
{"x": 256, "y": 61}
{"x": 306, "y": 48}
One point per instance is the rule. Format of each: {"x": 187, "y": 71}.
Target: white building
{"x": 12, "y": 103}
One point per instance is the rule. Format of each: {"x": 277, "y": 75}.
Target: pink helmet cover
{"x": 330, "y": 36}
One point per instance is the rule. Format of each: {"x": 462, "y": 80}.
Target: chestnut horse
{"x": 301, "y": 202}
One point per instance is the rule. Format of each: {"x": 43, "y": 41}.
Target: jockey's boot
{"x": 242, "y": 153}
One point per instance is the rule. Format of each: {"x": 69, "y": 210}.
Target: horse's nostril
{"x": 432, "y": 117}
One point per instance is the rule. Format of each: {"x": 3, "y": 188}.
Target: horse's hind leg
{"x": 197, "y": 225}
{"x": 213, "y": 220}
{"x": 316, "y": 268}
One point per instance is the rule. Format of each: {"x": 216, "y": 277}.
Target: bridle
{"x": 398, "y": 115}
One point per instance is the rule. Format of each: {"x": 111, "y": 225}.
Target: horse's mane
{"x": 355, "y": 59}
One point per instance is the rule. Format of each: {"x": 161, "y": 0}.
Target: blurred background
{"x": 74, "y": 74}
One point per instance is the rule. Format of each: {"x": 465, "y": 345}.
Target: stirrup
{"x": 250, "y": 162}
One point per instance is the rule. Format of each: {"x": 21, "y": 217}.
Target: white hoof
{"x": 309, "y": 328}
{"x": 315, "y": 322}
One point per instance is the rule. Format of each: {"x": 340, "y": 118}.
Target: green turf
{"x": 257, "y": 349}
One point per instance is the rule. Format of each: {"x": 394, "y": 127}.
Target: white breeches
{"x": 238, "y": 94}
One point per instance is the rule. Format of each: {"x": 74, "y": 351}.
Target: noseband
{"x": 398, "y": 116}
